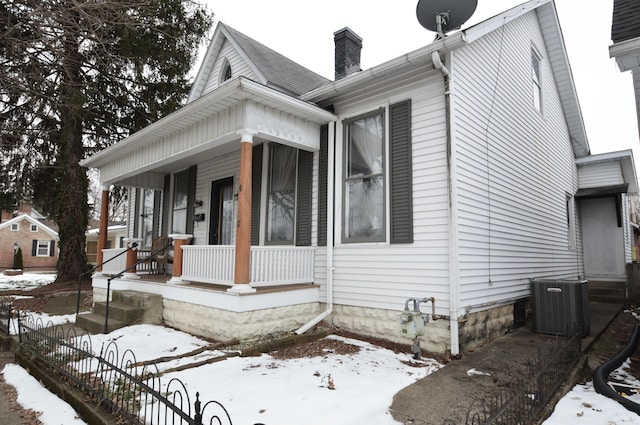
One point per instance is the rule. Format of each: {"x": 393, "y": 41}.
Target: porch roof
{"x": 233, "y": 93}
{"x": 624, "y": 158}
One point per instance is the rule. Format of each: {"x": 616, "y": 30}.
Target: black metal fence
{"x": 521, "y": 402}
{"x": 131, "y": 390}
{"x": 6, "y": 308}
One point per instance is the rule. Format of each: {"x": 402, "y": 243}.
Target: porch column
{"x": 103, "y": 227}
{"x": 178, "y": 241}
{"x": 132, "y": 258}
{"x": 243, "y": 231}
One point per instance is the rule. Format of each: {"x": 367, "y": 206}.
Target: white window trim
{"x": 48, "y": 244}
{"x": 339, "y": 173}
{"x": 15, "y": 227}
{"x": 540, "y": 79}
{"x": 571, "y": 221}
{"x": 33, "y": 228}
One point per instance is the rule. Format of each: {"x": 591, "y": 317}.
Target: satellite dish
{"x": 442, "y": 16}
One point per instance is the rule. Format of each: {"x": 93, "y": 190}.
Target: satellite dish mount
{"x": 442, "y": 20}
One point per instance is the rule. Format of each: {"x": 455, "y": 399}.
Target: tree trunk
{"x": 72, "y": 185}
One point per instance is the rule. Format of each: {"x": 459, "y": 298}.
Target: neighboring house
{"x": 116, "y": 234}
{"x": 28, "y": 230}
{"x": 625, "y": 34}
{"x": 458, "y": 171}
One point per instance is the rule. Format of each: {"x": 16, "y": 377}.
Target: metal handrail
{"x": 94, "y": 268}
{"x": 118, "y": 275}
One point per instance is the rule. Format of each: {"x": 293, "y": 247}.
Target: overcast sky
{"x": 303, "y": 31}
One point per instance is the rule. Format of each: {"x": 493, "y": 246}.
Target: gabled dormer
{"x": 232, "y": 54}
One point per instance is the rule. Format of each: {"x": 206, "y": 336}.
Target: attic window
{"x": 15, "y": 227}
{"x": 34, "y": 227}
{"x": 536, "y": 71}
{"x": 226, "y": 72}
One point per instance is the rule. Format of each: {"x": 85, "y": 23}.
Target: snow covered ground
{"x": 331, "y": 389}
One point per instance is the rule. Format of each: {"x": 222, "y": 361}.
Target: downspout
{"x": 453, "y": 216}
{"x": 330, "y": 235}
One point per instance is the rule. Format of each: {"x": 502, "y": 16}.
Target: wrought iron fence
{"x": 134, "y": 391}
{"x": 521, "y": 402}
{"x": 6, "y": 308}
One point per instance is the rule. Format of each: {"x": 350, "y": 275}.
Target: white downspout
{"x": 453, "y": 210}
{"x": 330, "y": 235}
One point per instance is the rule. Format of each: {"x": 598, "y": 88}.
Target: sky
{"x": 303, "y": 32}
{"x": 264, "y": 389}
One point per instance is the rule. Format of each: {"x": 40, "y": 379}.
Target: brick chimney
{"x": 348, "y": 46}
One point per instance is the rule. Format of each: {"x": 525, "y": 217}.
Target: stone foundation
{"x": 480, "y": 327}
{"x": 225, "y": 325}
{"x": 385, "y": 324}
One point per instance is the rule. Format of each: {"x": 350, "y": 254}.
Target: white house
{"x": 456, "y": 172}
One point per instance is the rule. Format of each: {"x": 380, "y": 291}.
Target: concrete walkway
{"x": 448, "y": 393}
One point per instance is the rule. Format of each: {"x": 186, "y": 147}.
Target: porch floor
{"x": 158, "y": 278}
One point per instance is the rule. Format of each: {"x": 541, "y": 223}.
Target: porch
{"x": 269, "y": 266}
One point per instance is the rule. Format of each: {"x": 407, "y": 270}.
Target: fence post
{"x": 198, "y": 417}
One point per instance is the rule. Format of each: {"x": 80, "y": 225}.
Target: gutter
{"x": 330, "y": 236}
{"x": 453, "y": 216}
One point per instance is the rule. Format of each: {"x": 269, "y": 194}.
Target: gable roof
{"x": 552, "y": 34}
{"x": 31, "y": 220}
{"x": 272, "y": 68}
{"x": 626, "y": 20}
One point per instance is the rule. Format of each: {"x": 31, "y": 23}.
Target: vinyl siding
{"x": 597, "y": 175}
{"x": 514, "y": 167}
{"x": 381, "y": 275}
{"x": 238, "y": 67}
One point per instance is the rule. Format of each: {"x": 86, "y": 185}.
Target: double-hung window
{"x": 281, "y": 194}
{"x": 364, "y": 179}
{"x": 42, "y": 248}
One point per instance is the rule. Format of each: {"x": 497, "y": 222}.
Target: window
{"x": 536, "y": 77}
{"x": 571, "y": 221}
{"x": 281, "y": 195}
{"x": 15, "y": 227}
{"x": 34, "y": 227}
{"x": 225, "y": 74}
{"x": 364, "y": 179}
{"x": 180, "y": 196}
{"x": 42, "y": 249}
{"x": 147, "y": 207}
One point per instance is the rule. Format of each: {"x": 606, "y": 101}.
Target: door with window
{"x": 221, "y": 216}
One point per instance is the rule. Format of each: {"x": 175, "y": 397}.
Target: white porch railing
{"x": 119, "y": 264}
{"x": 114, "y": 266}
{"x": 270, "y": 265}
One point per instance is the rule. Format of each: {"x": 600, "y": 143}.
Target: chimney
{"x": 348, "y": 46}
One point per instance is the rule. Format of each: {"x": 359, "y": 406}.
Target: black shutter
{"x": 323, "y": 178}
{"x": 256, "y": 182}
{"x": 191, "y": 197}
{"x": 401, "y": 173}
{"x": 303, "y": 201}
{"x": 34, "y": 248}
{"x": 52, "y": 248}
{"x": 166, "y": 204}
{"x": 136, "y": 211}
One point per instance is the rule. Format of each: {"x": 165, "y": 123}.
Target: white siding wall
{"x": 602, "y": 174}
{"x": 209, "y": 171}
{"x": 238, "y": 67}
{"x": 384, "y": 275}
{"x": 515, "y": 169}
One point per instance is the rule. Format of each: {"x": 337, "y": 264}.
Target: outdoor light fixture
{"x": 15, "y": 247}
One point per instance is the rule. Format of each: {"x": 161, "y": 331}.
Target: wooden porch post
{"x": 132, "y": 258}
{"x": 243, "y": 232}
{"x": 178, "y": 241}
{"x": 103, "y": 227}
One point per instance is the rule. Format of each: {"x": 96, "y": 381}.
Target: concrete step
{"x": 94, "y": 323}
{"x": 137, "y": 299}
{"x": 608, "y": 292}
{"x": 125, "y": 313}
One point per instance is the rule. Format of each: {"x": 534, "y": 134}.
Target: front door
{"x": 221, "y": 226}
